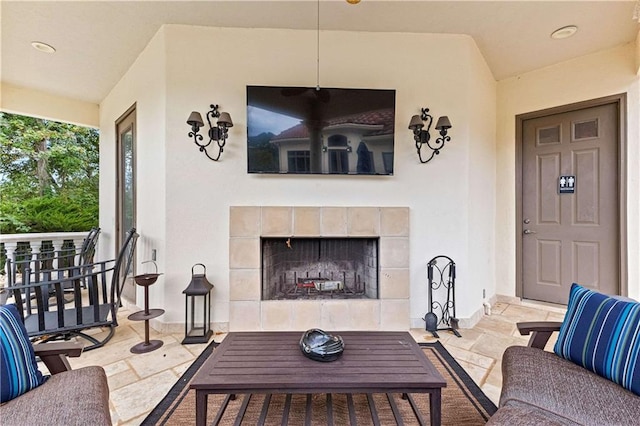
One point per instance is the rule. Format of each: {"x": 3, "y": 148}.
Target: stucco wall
{"x": 183, "y": 209}
{"x": 35, "y": 103}
{"x": 481, "y": 222}
{"x": 638, "y": 53}
{"x": 598, "y": 75}
{"x": 145, "y": 86}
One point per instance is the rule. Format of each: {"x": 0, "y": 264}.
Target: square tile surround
{"x": 248, "y": 223}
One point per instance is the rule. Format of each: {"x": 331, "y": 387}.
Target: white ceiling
{"x": 97, "y": 41}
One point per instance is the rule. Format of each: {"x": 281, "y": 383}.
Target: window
{"x": 337, "y": 141}
{"x": 549, "y": 135}
{"x": 126, "y": 186}
{"x": 338, "y": 161}
{"x": 299, "y": 161}
{"x": 585, "y": 129}
{"x": 338, "y": 154}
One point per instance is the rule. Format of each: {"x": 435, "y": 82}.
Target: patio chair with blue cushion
{"x": 68, "y": 397}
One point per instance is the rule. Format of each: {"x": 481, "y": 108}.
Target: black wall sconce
{"x": 217, "y": 133}
{"x": 422, "y": 136}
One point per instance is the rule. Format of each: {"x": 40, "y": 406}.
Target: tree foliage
{"x": 49, "y": 175}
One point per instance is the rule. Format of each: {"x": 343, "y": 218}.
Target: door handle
{"x": 528, "y": 231}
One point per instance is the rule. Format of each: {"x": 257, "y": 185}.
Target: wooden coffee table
{"x": 271, "y": 362}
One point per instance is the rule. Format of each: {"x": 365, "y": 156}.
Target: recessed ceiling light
{"x": 564, "y": 32}
{"x": 43, "y": 47}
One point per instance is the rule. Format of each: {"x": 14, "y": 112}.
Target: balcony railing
{"x": 14, "y": 246}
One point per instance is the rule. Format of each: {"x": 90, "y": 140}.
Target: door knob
{"x": 527, "y": 221}
{"x": 528, "y": 231}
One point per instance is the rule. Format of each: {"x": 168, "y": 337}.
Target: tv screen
{"x": 305, "y": 130}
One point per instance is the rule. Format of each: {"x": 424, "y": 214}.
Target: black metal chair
{"x": 39, "y": 296}
{"x": 88, "y": 249}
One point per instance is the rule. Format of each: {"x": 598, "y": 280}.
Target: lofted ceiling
{"x": 97, "y": 41}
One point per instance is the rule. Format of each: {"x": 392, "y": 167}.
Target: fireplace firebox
{"x": 319, "y": 268}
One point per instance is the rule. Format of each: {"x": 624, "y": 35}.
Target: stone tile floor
{"x": 138, "y": 382}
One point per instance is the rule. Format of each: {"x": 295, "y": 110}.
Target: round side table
{"x": 146, "y": 280}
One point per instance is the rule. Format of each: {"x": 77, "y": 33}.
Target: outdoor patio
{"x": 138, "y": 382}
{"x": 526, "y": 109}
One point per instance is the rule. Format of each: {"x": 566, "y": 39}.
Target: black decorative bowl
{"x": 318, "y": 345}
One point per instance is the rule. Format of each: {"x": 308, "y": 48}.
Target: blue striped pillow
{"x": 602, "y": 334}
{"x": 18, "y": 369}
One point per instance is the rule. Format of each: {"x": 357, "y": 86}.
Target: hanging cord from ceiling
{"x": 318, "y": 47}
{"x": 318, "y": 40}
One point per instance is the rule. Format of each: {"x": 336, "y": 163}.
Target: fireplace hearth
{"x": 319, "y": 268}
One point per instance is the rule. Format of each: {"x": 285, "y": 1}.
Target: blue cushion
{"x": 18, "y": 369}
{"x": 602, "y": 334}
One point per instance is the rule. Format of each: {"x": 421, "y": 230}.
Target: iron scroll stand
{"x": 443, "y": 277}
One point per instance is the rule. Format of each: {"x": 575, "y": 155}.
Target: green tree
{"x": 49, "y": 175}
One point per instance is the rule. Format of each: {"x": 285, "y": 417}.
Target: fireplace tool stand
{"x": 441, "y": 273}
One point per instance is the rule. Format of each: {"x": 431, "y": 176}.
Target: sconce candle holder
{"x": 423, "y": 137}
{"x": 217, "y": 132}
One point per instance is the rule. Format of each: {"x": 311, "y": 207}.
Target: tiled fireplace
{"x": 385, "y": 308}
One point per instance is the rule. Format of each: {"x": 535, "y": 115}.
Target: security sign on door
{"x": 566, "y": 184}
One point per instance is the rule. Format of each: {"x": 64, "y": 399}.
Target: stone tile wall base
{"x": 296, "y": 315}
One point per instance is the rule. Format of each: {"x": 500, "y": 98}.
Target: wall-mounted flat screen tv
{"x": 305, "y": 130}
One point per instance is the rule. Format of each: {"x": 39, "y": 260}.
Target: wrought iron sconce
{"x": 217, "y": 133}
{"x": 422, "y": 136}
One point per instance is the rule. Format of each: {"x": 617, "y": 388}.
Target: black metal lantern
{"x": 198, "y": 287}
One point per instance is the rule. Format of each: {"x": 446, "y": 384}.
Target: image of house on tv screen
{"x": 299, "y": 130}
